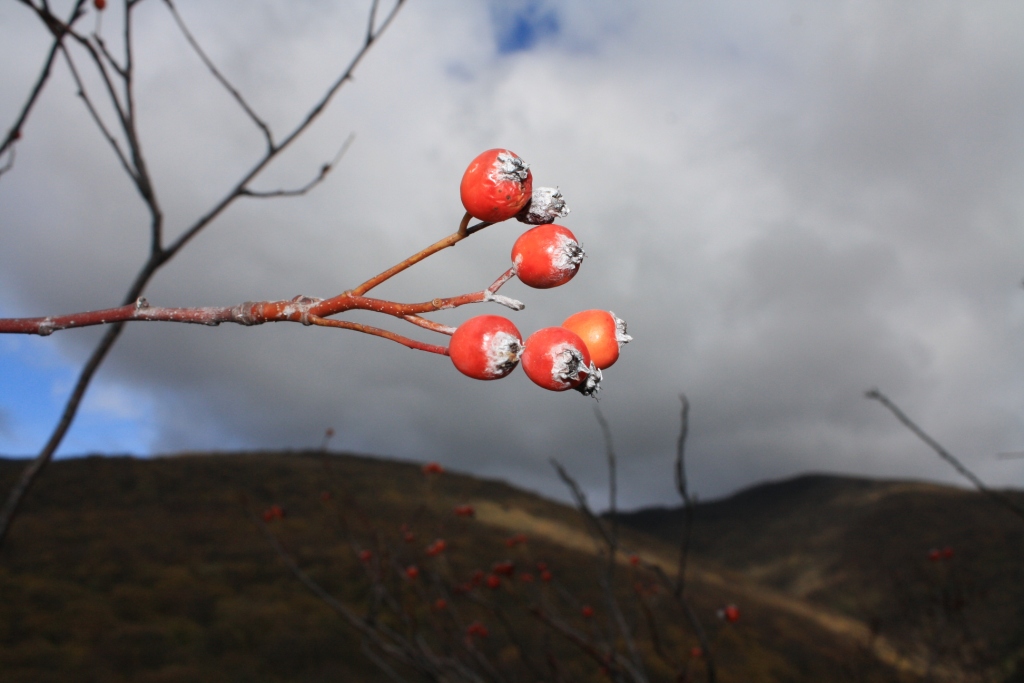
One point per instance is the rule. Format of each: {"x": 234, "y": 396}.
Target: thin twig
{"x": 260, "y": 123}
{"x": 1002, "y": 499}
{"x": 158, "y": 256}
{"x": 300, "y": 191}
{"x": 15, "y": 131}
{"x": 684, "y": 493}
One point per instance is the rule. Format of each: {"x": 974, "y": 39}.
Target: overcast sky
{"x": 789, "y": 203}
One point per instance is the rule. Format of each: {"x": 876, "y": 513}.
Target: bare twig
{"x": 15, "y": 131}
{"x": 300, "y": 191}
{"x": 1002, "y": 499}
{"x": 260, "y": 123}
{"x": 135, "y": 166}
{"x": 684, "y": 493}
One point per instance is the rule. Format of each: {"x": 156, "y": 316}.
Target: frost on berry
{"x": 546, "y": 205}
{"x": 591, "y": 384}
{"x": 568, "y": 255}
{"x": 503, "y": 354}
{"x": 508, "y": 166}
{"x": 620, "y": 330}
{"x": 569, "y": 364}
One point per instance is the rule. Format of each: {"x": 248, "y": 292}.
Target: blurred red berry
{"x": 947, "y": 553}
{"x": 934, "y": 554}
{"x": 440, "y": 604}
{"x": 465, "y": 511}
{"x": 696, "y": 652}
{"x": 517, "y": 539}
{"x": 493, "y": 581}
{"x": 99, "y": 4}
{"x": 478, "y": 576}
{"x": 587, "y": 611}
{"x": 477, "y": 629}
{"x": 526, "y": 577}
{"x": 505, "y": 568}
{"x": 542, "y": 566}
{"x": 412, "y": 572}
{"x": 634, "y": 560}
{"x": 437, "y": 547}
{"x": 365, "y": 555}
{"x": 545, "y": 576}
{"x": 731, "y": 613}
{"x": 325, "y": 496}
{"x": 433, "y": 468}
{"x": 273, "y": 512}
{"x": 496, "y": 186}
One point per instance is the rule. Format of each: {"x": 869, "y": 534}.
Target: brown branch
{"x": 300, "y": 309}
{"x": 300, "y": 191}
{"x": 1002, "y": 499}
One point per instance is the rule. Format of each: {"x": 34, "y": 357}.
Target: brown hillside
{"x": 124, "y": 569}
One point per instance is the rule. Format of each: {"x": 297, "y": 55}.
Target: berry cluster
{"x": 497, "y": 186}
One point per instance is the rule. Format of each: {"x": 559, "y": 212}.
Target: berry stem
{"x": 462, "y": 233}
{"x": 378, "y": 332}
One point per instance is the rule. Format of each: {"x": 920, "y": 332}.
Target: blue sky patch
{"x": 519, "y": 26}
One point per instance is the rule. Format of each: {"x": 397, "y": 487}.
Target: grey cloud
{"x": 786, "y": 212}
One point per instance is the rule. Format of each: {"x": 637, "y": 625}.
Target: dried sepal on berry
{"x": 547, "y": 256}
{"x": 486, "y": 347}
{"x": 546, "y": 205}
{"x": 602, "y": 332}
{"x": 496, "y": 186}
{"x": 557, "y": 359}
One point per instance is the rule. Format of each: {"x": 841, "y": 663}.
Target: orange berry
{"x": 602, "y": 332}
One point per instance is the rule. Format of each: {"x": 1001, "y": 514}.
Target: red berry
{"x": 486, "y": 347}
{"x": 493, "y": 581}
{"x": 496, "y": 186}
{"x": 934, "y": 554}
{"x": 412, "y": 572}
{"x": 602, "y": 332}
{"x": 634, "y": 560}
{"x": 947, "y": 553}
{"x": 99, "y": 4}
{"x": 545, "y": 576}
{"x": 504, "y": 568}
{"x": 437, "y": 547}
{"x": 365, "y": 555}
{"x": 477, "y": 629}
{"x": 514, "y": 540}
{"x": 547, "y": 256}
{"x": 433, "y": 468}
{"x": 440, "y": 604}
{"x": 557, "y": 359}
{"x": 696, "y": 652}
{"x": 731, "y": 613}
{"x": 477, "y": 577}
{"x": 325, "y": 496}
{"x": 465, "y": 511}
{"x": 588, "y": 612}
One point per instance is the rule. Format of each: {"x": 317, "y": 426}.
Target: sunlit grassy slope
{"x": 123, "y": 569}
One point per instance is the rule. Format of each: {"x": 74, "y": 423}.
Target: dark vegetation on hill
{"x": 123, "y": 569}
{"x": 867, "y": 549}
